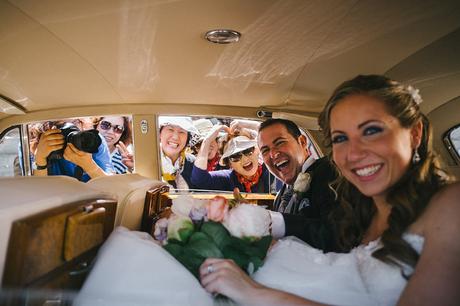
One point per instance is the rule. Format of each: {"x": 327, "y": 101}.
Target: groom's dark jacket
{"x": 311, "y": 223}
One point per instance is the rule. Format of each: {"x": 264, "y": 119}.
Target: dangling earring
{"x": 416, "y": 157}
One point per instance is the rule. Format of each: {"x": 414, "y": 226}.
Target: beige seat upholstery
{"x": 130, "y": 190}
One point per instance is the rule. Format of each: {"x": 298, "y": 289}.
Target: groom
{"x": 303, "y": 204}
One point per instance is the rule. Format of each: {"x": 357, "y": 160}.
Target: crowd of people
{"x": 83, "y": 148}
{"x": 206, "y": 155}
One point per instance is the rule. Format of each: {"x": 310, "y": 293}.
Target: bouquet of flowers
{"x": 199, "y": 229}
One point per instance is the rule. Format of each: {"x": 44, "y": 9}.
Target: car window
{"x": 452, "y": 141}
{"x": 10, "y": 152}
{"x": 111, "y": 135}
{"x": 230, "y": 159}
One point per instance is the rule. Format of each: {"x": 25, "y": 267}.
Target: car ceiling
{"x": 292, "y": 53}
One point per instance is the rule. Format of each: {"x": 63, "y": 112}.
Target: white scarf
{"x": 173, "y": 170}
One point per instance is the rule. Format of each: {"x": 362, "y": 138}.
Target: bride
{"x": 398, "y": 219}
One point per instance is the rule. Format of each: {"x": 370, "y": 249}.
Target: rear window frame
{"x": 450, "y": 146}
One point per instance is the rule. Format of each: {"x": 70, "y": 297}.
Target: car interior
{"x": 219, "y": 60}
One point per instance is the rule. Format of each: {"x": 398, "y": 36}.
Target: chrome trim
{"x": 27, "y": 171}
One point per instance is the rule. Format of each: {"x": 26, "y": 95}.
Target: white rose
{"x": 249, "y": 221}
{"x": 302, "y": 183}
{"x": 183, "y": 204}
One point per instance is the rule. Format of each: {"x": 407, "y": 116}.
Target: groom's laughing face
{"x": 283, "y": 154}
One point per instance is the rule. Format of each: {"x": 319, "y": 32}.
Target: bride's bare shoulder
{"x": 442, "y": 216}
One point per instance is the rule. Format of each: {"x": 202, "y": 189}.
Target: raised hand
{"x": 127, "y": 157}
{"x": 216, "y": 129}
{"x": 246, "y": 128}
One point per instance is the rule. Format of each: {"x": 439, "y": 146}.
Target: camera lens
{"x": 87, "y": 141}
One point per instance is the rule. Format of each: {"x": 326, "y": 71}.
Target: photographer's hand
{"x": 84, "y": 160}
{"x": 50, "y": 141}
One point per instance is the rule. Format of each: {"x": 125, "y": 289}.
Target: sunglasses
{"x": 237, "y": 156}
{"x": 105, "y": 125}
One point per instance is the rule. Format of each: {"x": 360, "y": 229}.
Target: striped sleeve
{"x": 118, "y": 165}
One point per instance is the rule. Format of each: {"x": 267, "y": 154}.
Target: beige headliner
{"x": 61, "y": 54}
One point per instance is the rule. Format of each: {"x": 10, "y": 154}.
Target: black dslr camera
{"x": 86, "y": 141}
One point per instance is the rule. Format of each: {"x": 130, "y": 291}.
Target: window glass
{"x": 107, "y": 138}
{"x": 453, "y": 142}
{"x": 10, "y": 153}
{"x": 229, "y": 157}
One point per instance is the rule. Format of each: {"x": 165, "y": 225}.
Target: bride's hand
{"x": 223, "y": 276}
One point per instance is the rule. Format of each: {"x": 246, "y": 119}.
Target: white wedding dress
{"x": 132, "y": 270}
{"x": 355, "y": 278}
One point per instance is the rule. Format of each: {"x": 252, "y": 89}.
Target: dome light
{"x": 222, "y": 36}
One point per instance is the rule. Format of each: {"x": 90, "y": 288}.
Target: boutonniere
{"x": 302, "y": 183}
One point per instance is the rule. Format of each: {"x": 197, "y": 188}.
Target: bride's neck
{"x": 379, "y": 222}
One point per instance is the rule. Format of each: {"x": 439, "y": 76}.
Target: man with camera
{"x": 63, "y": 152}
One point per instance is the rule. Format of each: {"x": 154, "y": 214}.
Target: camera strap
{"x": 78, "y": 173}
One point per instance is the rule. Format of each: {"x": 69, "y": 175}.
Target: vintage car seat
{"x": 130, "y": 190}
{"x": 49, "y": 226}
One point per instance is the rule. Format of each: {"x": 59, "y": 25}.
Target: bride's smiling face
{"x": 369, "y": 146}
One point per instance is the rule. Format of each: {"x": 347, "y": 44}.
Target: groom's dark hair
{"x": 291, "y": 127}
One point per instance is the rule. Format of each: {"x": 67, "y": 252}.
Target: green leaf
{"x": 260, "y": 247}
{"x": 198, "y": 236}
{"x": 203, "y": 247}
{"x": 264, "y": 242}
{"x": 185, "y": 233}
{"x": 257, "y": 262}
{"x": 173, "y": 249}
{"x": 191, "y": 262}
{"x": 217, "y": 232}
{"x": 240, "y": 258}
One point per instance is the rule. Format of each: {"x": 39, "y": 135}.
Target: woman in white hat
{"x": 241, "y": 155}
{"x": 176, "y": 164}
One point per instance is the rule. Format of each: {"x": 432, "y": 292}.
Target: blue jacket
{"x": 227, "y": 180}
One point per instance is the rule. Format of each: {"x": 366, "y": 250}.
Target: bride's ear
{"x": 416, "y": 134}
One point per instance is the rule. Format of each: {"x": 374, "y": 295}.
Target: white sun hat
{"x": 185, "y": 123}
{"x": 237, "y": 144}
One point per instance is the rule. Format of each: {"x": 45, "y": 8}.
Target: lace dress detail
{"x": 355, "y": 278}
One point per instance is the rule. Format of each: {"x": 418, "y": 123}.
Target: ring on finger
{"x": 210, "y": 269}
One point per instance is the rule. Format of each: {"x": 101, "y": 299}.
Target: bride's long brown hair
{"x": 410, "y": 195}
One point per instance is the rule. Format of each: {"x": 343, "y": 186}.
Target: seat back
{"x": 41, "y": 219}
{"x": 130, "y": 190}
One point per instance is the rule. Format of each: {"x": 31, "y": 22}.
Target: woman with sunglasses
{"x": 241, "y": 155}
{"x": 117, "y": 133}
